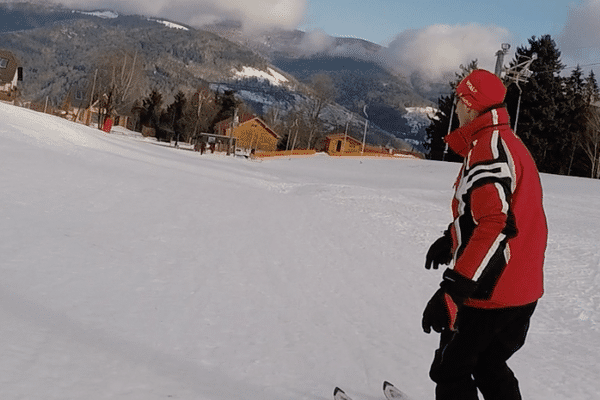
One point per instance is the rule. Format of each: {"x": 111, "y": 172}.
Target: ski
{"x": 391, "y": 392}
{"x": 339, "y": 394}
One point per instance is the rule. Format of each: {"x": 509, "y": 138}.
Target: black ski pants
{"x": 474, "y": 357}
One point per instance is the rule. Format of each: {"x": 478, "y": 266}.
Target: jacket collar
{"x": 461, "y": 140}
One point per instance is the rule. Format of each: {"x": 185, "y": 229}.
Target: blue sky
{"x": 380, "y": 20}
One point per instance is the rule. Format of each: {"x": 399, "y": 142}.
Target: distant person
{"x": 497, "y": 244}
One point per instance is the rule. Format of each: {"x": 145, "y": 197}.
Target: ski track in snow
{"x": 132, "y": 270}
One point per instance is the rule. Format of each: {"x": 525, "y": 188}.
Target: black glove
{"x": 440, "y": 313}
{"x": 442, "y": 310}
{"x": 440, "y": 252}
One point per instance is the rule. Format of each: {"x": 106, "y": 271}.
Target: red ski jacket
{"x": 499, "y": 232}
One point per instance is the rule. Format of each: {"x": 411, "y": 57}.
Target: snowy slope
{"x": 136, "y": 271}
{"x": 271, "y": 76}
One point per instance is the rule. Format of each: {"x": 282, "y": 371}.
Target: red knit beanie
{"x": 481, "y": 89}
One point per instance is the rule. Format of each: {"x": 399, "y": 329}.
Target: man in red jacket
{"x": 496, "y": 242}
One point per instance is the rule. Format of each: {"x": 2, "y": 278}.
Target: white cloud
{"x": 316, "y": 41}
{"x": 439, "y": 50}
{"x": 253, "y": 14}
{"x": 579, "y": 41}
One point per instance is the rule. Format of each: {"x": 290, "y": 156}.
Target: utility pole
{"x": 454, "y": 98}
{"x": 346, "y": 132}
{"x": 362, "y": 153}
{"x": 294, "y": 124}
{"x": 92, "y": 99}
{"x": 500, "y": 59}
{"x": 295, "y": 137}
{"x": 520, "y": 73}
{"x": 235, "y": 121}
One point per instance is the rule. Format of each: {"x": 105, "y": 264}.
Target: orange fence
{"x": 285, "y": 153}
{"x": 309, "y": 153}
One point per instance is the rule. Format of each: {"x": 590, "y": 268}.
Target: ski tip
{"x": 391, "y": 392}
{"x": 339, "y": 394}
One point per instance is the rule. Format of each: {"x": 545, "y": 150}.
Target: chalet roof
{"x": 8, "y": 66}
{"x": 242, "y": 118}
{"x": 264, "y": 125}
{"x": 246, "y": 118}
{"x": 335, "y": 136}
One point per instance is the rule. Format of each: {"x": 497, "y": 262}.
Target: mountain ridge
{"x": 69, "y": 41}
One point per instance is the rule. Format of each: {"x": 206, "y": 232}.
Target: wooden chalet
{"x": 251, "y": 133}
{"x": 10, "y": 74}
{"x": 338, "y": 144}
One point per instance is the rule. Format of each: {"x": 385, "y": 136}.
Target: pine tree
{"x": 174, "y": 115}
{"x": 151, "y": 109}
{"x": 540, "y": 123}
{"x": 573, "y": 110}
{"x": 226, "y": 104}
{"x": 591, "y": 91}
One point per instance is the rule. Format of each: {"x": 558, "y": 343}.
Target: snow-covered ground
{"x": 130, "y": 270}
{"x": 272, "y": 76}
{"x": 169, "y": 24}
{"x": 100, "y": 14}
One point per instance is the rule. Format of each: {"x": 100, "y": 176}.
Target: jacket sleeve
{"x": 484, "y": 251}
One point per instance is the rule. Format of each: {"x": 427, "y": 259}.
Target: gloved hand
{"x": 440, "y": 252}
{"x": 440, "y": 313}
{"x": 442, "y": 310}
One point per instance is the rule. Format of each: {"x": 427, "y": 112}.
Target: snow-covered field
{"x": 130, "y": 270}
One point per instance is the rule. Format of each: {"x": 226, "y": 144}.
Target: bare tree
{"x": 119, "y": 82}
{"x": 323, "y": 93}
{"x": 591, "y": 140}
{"x": 201, "y": 110}
{"x": 294, "y": 128}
